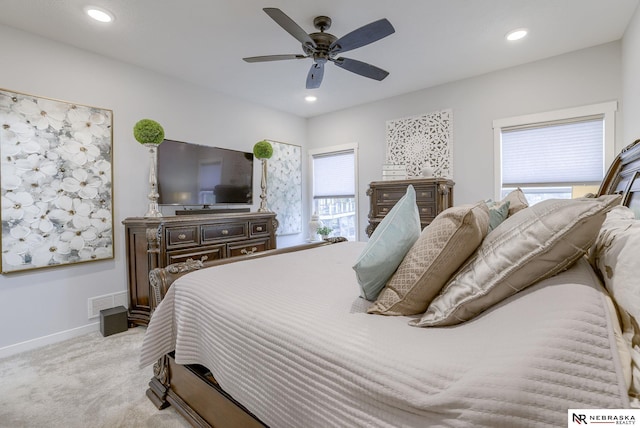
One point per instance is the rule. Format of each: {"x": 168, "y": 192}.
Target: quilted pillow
{"x": 615, "y": 257}
{"x": 388, "y": 244}
{"x": 533, "y": 244}
{"x": 442, "y": 247}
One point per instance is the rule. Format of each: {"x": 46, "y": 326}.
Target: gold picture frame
{"x": 56, "y": 182}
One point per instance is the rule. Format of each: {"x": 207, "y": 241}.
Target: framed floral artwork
{"x": 284, "y": 188}
{"x": 56, "y": 182}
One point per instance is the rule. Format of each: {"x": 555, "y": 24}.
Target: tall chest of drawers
{"x": 433, "y": 195}
{"x": 158, "y": 242}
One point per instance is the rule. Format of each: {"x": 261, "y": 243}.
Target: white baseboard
{"x": 39, "y": 342}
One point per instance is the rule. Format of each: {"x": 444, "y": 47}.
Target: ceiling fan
{"x": 323, "y": 47}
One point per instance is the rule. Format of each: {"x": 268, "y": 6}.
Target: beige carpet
{"x": 88, "y": 381}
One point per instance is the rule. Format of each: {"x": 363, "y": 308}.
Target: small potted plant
{"x": 324, "y": 231}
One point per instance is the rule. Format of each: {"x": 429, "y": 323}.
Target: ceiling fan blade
{"x": 362, "y": 36}
{"x": 273, "y": 58}
{"x": 290, "y": 26}
{"x": 314, "y": 78}
{"x": 361, "y": 68}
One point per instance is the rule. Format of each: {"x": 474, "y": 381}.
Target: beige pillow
{"x": 533, "y": 244}
{"x": 517, "y": 201}
{"x": 441, "y": 248}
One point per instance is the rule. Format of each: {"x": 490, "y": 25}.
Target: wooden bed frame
{"x": 194, "y": 392}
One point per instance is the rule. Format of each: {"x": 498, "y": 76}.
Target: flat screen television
{"x": 197, "y": 175}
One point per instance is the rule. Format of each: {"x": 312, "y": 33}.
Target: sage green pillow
{"x": 498, "y": 212}
{"x": 387, "y": 246}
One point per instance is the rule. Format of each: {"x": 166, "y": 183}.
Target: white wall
{"x": 583, "y": 77}
{"x": 36, "y": 304}
{"x": 631, "y": 79}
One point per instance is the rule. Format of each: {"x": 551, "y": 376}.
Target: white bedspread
{"x": 288, "y": 337}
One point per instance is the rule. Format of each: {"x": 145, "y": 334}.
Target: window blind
{"x": 333, "y": 175}
{"x": 567, "y": 153}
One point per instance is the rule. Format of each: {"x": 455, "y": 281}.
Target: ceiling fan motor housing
{"x": 323, "y": 41}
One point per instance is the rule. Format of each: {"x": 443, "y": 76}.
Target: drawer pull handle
{"x": 182, "y": 236}
{"x": 384, "y": 210}
{"x": 385, "y": 195}
{"x": 225, "y": 232}
{"x": 424, "y": 210}
{"x": 259, "y": 228}
{"x": 424, "y": 194}
{"x": 251, "y": 251}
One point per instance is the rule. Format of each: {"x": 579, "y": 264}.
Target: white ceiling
{"x": 436, "y": 41}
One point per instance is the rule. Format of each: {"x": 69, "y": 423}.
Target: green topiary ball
{"x": 263, "y": 150}
{"x": 148, "y": 131}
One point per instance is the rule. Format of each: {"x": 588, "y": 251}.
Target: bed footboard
{"x": 192, "y": 390}
{"x": 195, "y": 394}
{"x": 162, "y": 278}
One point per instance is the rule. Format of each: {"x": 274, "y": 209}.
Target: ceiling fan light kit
{"x": 323, "y": 47}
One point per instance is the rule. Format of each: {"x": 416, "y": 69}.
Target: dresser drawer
{"x": 426, "y": 194}
{"x": 427, "y": 211}
{"x": 181, "y": 236}
{"x": 210, "y": 253}
{"x": 224, "y": 231}
{"x": 258, "y": 228}
{"x": 380, "y": 211}
{"x": 248, "y": 247}
{"x": 393, "y": 194}
{"x": 390, "y": 195}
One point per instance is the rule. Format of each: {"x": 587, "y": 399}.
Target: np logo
{"x": 579, "y": 419}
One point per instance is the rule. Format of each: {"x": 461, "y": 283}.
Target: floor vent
{"x": 98, "y": 303}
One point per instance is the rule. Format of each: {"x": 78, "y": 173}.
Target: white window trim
{"x": 335, "y": 149}
{"x": 608, "y": 109}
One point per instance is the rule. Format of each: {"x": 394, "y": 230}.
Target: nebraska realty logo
{"x": 581, "y": 417}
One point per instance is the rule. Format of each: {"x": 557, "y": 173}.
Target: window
{"x": 559, "y": 154}
{"x": 334, "y": 189}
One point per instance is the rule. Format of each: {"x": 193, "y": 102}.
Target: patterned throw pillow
{"x": 442, "y": 247}
{"x": 388, "y": 244}
{"x": 533, "y": 244}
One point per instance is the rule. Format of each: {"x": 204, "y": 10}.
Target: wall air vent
{"x": 98, "y": 303}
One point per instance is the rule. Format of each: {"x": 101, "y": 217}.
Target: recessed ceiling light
{"x": 99, "y": 14}
{"x": 310, "y": 98}
{"x": 516, "y": 34}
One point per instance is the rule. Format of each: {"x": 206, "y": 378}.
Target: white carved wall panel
{"x": 421, "y": 141}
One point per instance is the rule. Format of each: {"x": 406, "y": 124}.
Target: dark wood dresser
{"x": 158, "y": 242}
{"x": 433, "y": 195}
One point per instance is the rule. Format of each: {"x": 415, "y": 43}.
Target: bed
{"x": 288, "y": 339}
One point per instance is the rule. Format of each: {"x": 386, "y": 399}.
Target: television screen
{"x": 193, "y": 174}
